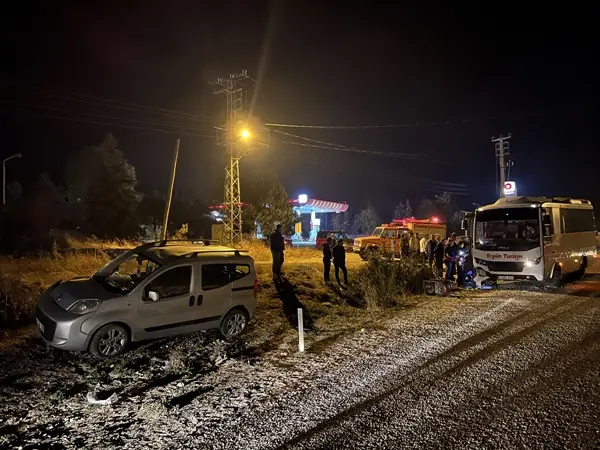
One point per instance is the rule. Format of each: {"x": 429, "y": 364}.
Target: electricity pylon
{"x": 238, "y": 135}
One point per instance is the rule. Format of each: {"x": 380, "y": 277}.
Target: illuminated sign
{"x": 510, "y": 189}
{"x": 302, "y": 199}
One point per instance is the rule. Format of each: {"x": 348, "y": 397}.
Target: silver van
{"x": 158, "y": 289}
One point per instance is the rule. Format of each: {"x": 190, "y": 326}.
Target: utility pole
{"x": 170, "y": 193}
{"x": 238, "y": 136}
{"x": 501, "y": 145}
{"x": 4, "y": 161}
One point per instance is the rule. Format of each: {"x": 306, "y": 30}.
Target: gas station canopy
{"x": 305, "y": 205}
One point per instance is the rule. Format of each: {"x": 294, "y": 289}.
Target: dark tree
{"x": 273, "y": 209}
{"x": 101, "y": 179}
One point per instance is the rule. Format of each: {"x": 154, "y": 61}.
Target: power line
{"x": 118, "y": 104}
{"x": 101, "y": 116}
{"x": 332, "y": 146}
{"x": 351, "y": 150}
{"x": 430, "y": 188}
{"x": 409, "y": 125}
{"x": 74, "y": 119}
{"x": 352, "y": 127}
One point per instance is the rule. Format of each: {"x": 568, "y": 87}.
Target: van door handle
{"x": 199, "y": 301}
{"x": 191, "y": 300}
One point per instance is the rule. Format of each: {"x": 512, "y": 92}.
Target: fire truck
{"x": 387, "y": 237}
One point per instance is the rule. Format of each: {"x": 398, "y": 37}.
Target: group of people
{"x": 437, "y": 251}
{"x": 333, "y": 252}
{"x": 434, "y": 250}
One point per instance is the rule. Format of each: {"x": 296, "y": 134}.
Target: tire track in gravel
{"x": 419, "y": 344}
{"x": 524, "y": 388}
{"x": 351, "y": 424}
{"x": 538, "y": 317}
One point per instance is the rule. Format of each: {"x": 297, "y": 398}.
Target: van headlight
{"x": 85, "y": 306}
{"x": 533, "y": 262}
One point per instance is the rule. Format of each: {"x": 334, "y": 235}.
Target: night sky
{"x": 463, "y": 75}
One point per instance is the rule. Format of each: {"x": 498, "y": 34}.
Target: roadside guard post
{"x": 300, "y": 330}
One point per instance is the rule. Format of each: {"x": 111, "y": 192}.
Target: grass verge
{"x": 330, "y": 311}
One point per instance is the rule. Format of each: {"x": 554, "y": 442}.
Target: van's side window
{"x": 215, "y": 276}
{"x": 239, "y": 271}
{"x": 173, "y": 283}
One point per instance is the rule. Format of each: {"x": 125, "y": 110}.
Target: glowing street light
{"x": 245, "y": 134}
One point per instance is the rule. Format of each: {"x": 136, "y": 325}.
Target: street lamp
{"x": 16, "y": 155}
{"x": 245, "y": 134}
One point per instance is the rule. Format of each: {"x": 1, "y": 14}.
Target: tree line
{"x": 100, "y": 196}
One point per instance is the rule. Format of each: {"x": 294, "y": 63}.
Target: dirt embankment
{"x": 44, "y": 391}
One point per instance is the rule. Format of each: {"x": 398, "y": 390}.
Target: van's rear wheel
{"x": 234, "y": 323}
{"x": 109, "y": 341}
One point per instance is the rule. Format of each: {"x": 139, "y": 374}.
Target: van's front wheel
{"x": 109, "y": 341}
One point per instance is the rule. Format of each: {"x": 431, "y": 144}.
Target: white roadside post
{"x": 300, "y": 331}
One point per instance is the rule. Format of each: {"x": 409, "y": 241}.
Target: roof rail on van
{"x": 236, "y": 252}
{"x": 166, "y": 242}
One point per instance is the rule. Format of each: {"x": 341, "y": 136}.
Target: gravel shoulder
{"x": 436, "y": 374}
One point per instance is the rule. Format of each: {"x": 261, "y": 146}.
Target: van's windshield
{"x": 510, "y": 229}
{"x": 124, "y": 273}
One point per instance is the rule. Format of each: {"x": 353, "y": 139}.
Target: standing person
{"x": 339, "y": 261}
{"x": 413, "y": 244}
{"x": 461, "y": 257}
{"x": 429, "y": 248}
{"x": 404, "y": 245}
{"x": 438, "y": 256}
{"x": 450, "y": 256}
{"x": 277, "y": 248}
{"x": 327, "y": 259}
{"x": 423, "y": 247}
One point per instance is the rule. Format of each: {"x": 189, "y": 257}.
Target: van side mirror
{"x": 464, "y": 224}
{"x": 154, "y": 296}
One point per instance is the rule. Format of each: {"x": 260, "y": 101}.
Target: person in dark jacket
{"x": 464, "y": 264}
{"x": 327, "y": 259}
{"x": 438, "y": 256}
{"x": 404, "y": 245}
{"x": 339, "y": 261}
{"x": 277, "y": 248}
{"x": 450, "y": 255}
{"x": 429, "y": 250}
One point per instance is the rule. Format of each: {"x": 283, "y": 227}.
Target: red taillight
{"x": 256, "y": 288}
